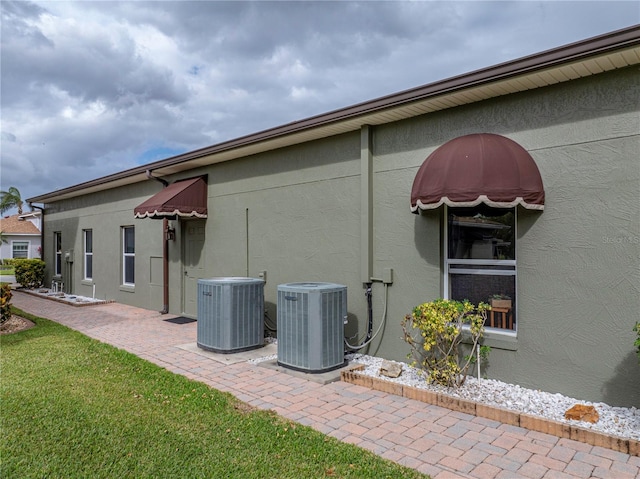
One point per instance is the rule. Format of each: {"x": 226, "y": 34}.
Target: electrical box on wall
{"x": 387, "y": 276}
{"x": 68, "y": 256}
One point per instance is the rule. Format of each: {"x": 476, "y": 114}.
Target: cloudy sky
{"x": 90, "y": 88}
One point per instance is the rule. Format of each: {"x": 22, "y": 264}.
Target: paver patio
{"x": 431, "y": 439}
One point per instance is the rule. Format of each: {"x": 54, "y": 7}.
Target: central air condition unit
{"x": 311, "y": 326}
{"x": 230, "y": 314}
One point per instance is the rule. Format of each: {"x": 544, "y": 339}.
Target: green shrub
{"x": 29, "y": 272}
{"x": 439, "y": 326}
{"x": 637, "y": 341}
{"x": 5, "y": 302}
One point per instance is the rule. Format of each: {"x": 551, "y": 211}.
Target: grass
{"x": 74, "y": 407}
{"x": 7, "y": 271}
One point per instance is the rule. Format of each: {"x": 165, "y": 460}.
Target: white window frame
{"x": 57, "y": 253}
{"x": 481, "y": 262}
{"x": 13, "y": 249}
{"x": 126, "y": 255}
{"x": 88, "y": 255}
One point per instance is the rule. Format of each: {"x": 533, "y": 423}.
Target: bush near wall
{"x": 29, "y": 272}
{"x": 434, "y": 331}
{"x": 637, "y": 341}
{"x": 5, "y": 302}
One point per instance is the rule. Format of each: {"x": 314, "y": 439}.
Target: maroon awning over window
{"x": 479, "y": 168}
{"x": 185, "y": 198}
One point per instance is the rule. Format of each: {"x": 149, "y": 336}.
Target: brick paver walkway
{"x": 431, "y": 439}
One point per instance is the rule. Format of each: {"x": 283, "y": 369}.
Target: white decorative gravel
{"x": 64, "y": 297}
{"x": 616, "y": 421}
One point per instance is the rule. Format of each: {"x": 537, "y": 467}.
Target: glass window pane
{"x": 88, "y": 242}
{"x": 20, "y": 250}
{"x": 129, "y": 263}
{"x": 129, "y": 240}
{"x": 481, "y": 287}
{"x": 481, "y": 233}
{"x": 89, "y": 267}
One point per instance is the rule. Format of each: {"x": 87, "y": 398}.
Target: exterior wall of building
{"x": 6, "y": 249}
{"x": 578, "y": 266}
{"x": 105, "y": 213}
{"x": 296, "y": 214}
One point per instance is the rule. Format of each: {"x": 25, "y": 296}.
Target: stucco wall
{"x": 578, "y": 262}
{"x": 295, "y": 213}
{"x": 297, "y": 209}
{"x": 105, "y": 213}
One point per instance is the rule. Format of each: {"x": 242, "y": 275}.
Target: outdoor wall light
{"x": 171, "y": 233}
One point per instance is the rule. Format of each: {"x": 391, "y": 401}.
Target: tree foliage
{"x": 5, "y": 302}
{"x": 637, "y": 341}
{"x": 11, "y": 199}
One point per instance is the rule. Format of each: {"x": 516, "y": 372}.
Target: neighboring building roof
{"x": 611, "y": 51}
{"x": 13, "y": 225}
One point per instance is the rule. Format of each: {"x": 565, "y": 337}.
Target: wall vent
{"x": 230, "y": 314}
{"x": 311, "y": 326}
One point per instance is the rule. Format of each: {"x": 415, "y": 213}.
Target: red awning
{"x": 479, "y": 168}
{"x": 185, "y": 198}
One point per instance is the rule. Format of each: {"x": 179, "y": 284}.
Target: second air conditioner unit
{"x": 311, "y": 326}
{"x": 230, "y": 314}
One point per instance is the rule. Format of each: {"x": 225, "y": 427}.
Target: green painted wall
{"x": 578, "y": 262}
{"x": 105, "y": 213}
{"x": 296, "y": 214}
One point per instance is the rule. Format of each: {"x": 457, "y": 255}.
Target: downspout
{"x": 32, "y": 206}
{"x": 165, "y": 251}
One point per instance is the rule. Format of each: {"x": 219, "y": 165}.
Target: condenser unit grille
{"x": 311, "y": 326}
{"x": 230, "y": 314}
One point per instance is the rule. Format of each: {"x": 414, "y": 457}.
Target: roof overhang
{"x": 615, "y": 50}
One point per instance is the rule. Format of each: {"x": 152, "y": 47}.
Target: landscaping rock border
{"x": 533, "y": 423}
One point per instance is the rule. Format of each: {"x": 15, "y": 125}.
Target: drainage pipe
{"x": 165, "y": 251}
{"x": 369, "y": 295}
{"x": 369, "y": 338}
{"x": 32, "y": 206}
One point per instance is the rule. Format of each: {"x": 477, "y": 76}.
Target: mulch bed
{"x": 15, "y": 324}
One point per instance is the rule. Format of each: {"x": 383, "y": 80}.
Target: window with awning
{"x": 480, "y": 179}
{"x": 183, "y": 199}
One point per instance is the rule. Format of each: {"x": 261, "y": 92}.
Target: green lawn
{"x": 74, "y": 407}
{"x": 7, "y": 271}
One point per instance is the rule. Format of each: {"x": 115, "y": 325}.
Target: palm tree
{"x": 10, "y": 199}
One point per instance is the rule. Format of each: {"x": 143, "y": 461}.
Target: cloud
{"x": 92, "y": 88}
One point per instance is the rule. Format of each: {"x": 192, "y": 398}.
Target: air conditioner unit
{"x": 311, "y": 326}
{"x": 230, "y": 314}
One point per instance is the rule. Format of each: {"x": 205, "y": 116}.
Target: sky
{"x": 91, "y": 88}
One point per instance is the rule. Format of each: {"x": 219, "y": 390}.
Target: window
{"x": 481, "y": 260}
{"x": 20, "y": 249}
{"x": 88, "y": 254}
{"x": 57, "y": 244}
{"x": 128, "y": 255}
